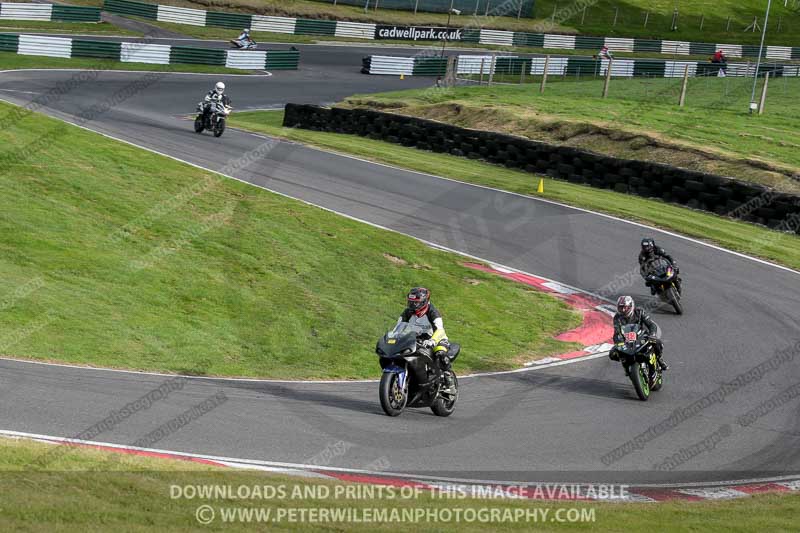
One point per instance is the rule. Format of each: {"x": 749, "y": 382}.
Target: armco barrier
{"x": 48, "y": 12}
{"x": 571, "y": 66}
{"x": 359, "y": 30}
{"x": 715, "y": 194}
{"x": 161, "y": 54}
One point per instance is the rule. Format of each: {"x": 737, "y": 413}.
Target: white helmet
{"x": 626, "y": 305}
{"x": 219, "y": 87}
{"x": 246, "y": 30}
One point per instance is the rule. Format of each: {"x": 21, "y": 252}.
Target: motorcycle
{"x": 638, "y": 356}
{"x": 411, "y": 376}
{"x": 244, "y": 44}
{"x": 662, "y": 276}
{"x": 214, "y": 120}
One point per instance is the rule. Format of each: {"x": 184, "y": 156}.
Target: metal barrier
{"x": 138, "y": 52}
{"x": 358, "y": 30}
{"x": 49, "y": 12}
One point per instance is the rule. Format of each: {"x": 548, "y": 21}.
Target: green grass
{"x": 599, "y": 18}
{"x": 91, "y": 490}
{"x": 80, "y": 28}
{"x": 713, "y": 133}
{"x": 743, "y": 237}
{"x": 10, "y": 61}
{"x": 117, "y": 257}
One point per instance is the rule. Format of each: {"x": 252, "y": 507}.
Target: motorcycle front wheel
{"x": 640, "y": 380}
{"x": 675, "y": 300}
{"x": 393, "y": 398}
{"x": 442, "y": 406}
{"x": 198, "y": 124}
{"x": 219, "y": 128}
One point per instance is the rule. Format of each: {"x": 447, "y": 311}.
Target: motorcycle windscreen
{"x": 659, "y": 267}
{"x": 415, "y": 327}
{"x": 632, "y": 337}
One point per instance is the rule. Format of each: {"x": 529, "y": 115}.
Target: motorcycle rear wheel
{"x": 393, "y": 399}
{"x": 445, "y": 407}
{"x": 675, "y": 300}
{"x": 640, "y": 381}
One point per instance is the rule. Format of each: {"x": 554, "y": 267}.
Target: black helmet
{"x": 418, "y": 299}
{"x": 625, "y": 306}
{"x": 648, "y": 245}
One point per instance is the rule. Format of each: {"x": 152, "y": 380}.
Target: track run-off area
{"x": 735, "y": 349}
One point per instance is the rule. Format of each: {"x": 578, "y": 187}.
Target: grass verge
{"x": 12, "y": 61}
{"x": 639, "y": 120}
{"x": 92, "y": 490}
{"x": 739, "y": 236}
{"x": 117, "y": 257}
{"x": 80, "y": 28}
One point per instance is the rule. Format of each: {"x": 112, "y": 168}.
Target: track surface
{"x": 549, "y": 424}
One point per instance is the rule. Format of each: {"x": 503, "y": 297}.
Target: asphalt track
{"x": 549, "y": 424}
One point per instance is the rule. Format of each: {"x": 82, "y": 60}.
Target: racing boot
{"x": 662, "y": 365}
{"x": 449, "y": 383}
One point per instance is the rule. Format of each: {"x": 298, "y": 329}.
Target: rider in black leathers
{"x": 628, "y": 313}
{"x": 420, "y": 307}
{"x": 650, "y": 252}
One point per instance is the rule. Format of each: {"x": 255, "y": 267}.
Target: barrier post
{"x": 480, "y": 81}
{"x": 684, "y": 85}
{"x": 491, "y": 68}
{"x": 544, "y": 74}
{"x": 608, "y": 78}
{"x": 763, "y": 94}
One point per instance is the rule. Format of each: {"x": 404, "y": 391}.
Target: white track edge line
{"x": 400, "y": 475}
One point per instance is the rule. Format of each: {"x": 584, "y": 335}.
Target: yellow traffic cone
{"x": 402, "y": 76}
{"x": 541, "y": 185}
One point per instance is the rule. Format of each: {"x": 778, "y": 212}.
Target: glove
{"x": 428, "y": 343}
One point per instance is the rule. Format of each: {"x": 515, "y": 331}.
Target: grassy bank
{"x": 10, "y": 61}
{"x": 740, "y": 236}
{"x": 639, "y": 120}
{"x": 118, "y": 257}
{"x": 91, "y": 490}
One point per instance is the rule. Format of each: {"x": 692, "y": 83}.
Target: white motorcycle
{"x": 213, "y": 120}
{"x": 244, "y": 44}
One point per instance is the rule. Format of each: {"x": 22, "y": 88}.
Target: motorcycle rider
{"x": 628, "y": 313}
{"x": 650, "y": 252}
{"x": 245, "y": 38}
{"x": 419, "y": 310}
{"x": 215, "y": 95}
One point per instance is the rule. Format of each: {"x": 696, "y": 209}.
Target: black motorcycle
{"x": 214, "y": 120}
{"x": 661, "y": 275}
{"x": 411, "y": 376}
{"x": 637, "y": 354}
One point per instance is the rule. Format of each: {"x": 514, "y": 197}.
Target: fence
{"x": 49, "y": 12}
{"x": 566, "y": 66}
{"x": 360, "y": 30}
{"x": 158, "y": 54}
